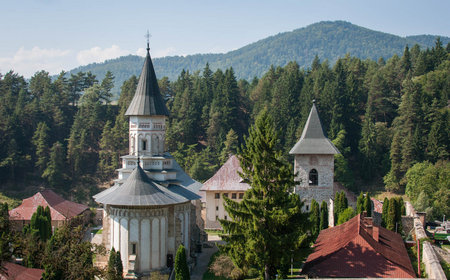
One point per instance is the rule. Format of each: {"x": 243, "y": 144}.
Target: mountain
{"x": 328, "y": 39}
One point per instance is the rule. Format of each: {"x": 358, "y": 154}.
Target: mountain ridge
{"x": 329, "y": 40}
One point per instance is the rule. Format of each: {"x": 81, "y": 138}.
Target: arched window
{"x": 144, "y": 144}
{"x": 313, "y": 177}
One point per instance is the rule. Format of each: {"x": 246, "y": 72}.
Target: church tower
{"x": 153, "y": 206}
{"x": 314, "y": 162}
{"x": 147, "y": 131}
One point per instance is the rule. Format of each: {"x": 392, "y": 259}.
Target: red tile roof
{"x": 226, "y": 178}
{"x": 60, "y": 209}
{"x": 358, "y": 250}
{"x": 18, "y": 272}
{"x": 377, "y": 205}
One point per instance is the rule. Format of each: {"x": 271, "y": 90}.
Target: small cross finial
{"x": 314, "y": 101}
{"x": 148, "y": 39}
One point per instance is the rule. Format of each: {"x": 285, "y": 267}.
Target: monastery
{"x": 151, "y": 209}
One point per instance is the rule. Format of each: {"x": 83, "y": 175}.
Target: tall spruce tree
{"x": 55, "y": 170}
{"x": 360, "y": 203}
{"x": 368, "y": 205}
{"x": 268, "y": 223}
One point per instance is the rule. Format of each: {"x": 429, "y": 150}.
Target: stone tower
{"x": 314, "y": 162}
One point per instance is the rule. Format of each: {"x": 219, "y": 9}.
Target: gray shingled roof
{"x": 139, "y": 190}
{"x": 313, "y": 140}
{"x": 147, "y": 100}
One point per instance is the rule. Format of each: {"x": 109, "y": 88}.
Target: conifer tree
{"x": 323, "y": 215}
{"x": 368, "y": 205}
{"x": 41, "y": 143}
{"x": 360, "y": 203}
{"x": 55, "y": 171}
{"x": 230, "y": 146}
{"x": 268, "y": 222}
{"x": 314, "y": 217}
{"x": 390, "y": 220}
{"x": 385, "y": 212}
{"x": 181, "y": 267}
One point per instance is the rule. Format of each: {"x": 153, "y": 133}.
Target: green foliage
{"x": 67, "y": 256}
{"x": 114, "y": 270}
{"x": 340, "y": 204}
{"x": 300, "y": 45}
{"x": 268, "y": 223}
{"x": 314, "y": 217}
{"x": 181, "y": 267}
{"x": 54, "y": 173}
{"x": 368, "y": 205}
{"x": 385, "y": 212}
{"x": 427, "y": 187}
{"x": 360, "y": 203}
{"x": 40, "y": 224}
{"x": 346, "y": 215}
{"x": 323, "y": 215}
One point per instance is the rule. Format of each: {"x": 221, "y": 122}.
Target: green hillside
{"x": 329, "y": 40}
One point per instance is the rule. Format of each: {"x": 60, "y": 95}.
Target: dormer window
{"x": 144, "y": 144}
{"x": 313, "y": 177}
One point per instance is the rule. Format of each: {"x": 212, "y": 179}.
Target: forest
{"x": 390, "y": 120}
{"x": 328, "y": 39}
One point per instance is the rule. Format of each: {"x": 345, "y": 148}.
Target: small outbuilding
{"x": 226, "y": 182}
{"x": 61, "y": 209}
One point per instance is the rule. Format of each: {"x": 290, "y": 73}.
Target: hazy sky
{"x": 61, "y": 34}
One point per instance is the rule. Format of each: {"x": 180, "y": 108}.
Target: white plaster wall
{"x": 186, "y": 230}
{"x": 212, "y": 203}
{"x": 155, "y": 243}
{"x": 111, "y": 232}
{"x": 163, "y": 252}
{"x": 144, "y": 263}
{"x": 134, "y": 230}
{"x": 116, "y": 240}
{"x": 124, "y": 242}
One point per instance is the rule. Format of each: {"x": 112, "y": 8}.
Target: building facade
{"x": 151, "y": 209}
{"x": 314, "y": 163}
{"x": 225, "y": 182}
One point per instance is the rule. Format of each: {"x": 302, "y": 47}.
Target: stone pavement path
{"x": 203, "y": 261}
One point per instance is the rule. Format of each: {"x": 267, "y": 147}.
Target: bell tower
{"x": 314, "y": 162}
{"x": 147, "y": 130}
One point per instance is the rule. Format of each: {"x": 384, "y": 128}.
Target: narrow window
{"x": 313, "y": 177}
{"x": 144, "y": 144}
{"x": 216, "y": 195}
{"x": 133, "y": 248}
{"x": 217, "y": 218}
{"x": 241, "y": 195}
{"x": 233, "y": 195}
{"x": 217, "y": 208}
{"x": 307, "y": 207}
{"x": 226, "y": 217}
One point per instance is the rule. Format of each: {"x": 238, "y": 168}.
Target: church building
{"x": 151, "y": 209}
{"x": 314, "y": 163}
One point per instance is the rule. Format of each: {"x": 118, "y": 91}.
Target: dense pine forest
{"x": 390, "y": 120}
{"x": 328, "y": 39}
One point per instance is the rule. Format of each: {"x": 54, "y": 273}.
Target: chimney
{"x": 376, "y": 233}
{"x": 368, "y": 221}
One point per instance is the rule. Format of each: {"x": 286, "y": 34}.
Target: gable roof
{"x": 147, "y": 100}
{"x": 226, "y": 178}
{"x": 357, "y": 249}
{"x": 139, "y": 190}
{"x": 60, "y": 209}
{"x": 313, "y": 139}
{"x": 19, "y": 272}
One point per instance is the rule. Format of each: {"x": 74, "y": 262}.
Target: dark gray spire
{"x": 313, "y": 140}
{"x": 147, "y": 100}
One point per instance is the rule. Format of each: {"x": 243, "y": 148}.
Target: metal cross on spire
{"x": 148, "y": 39}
